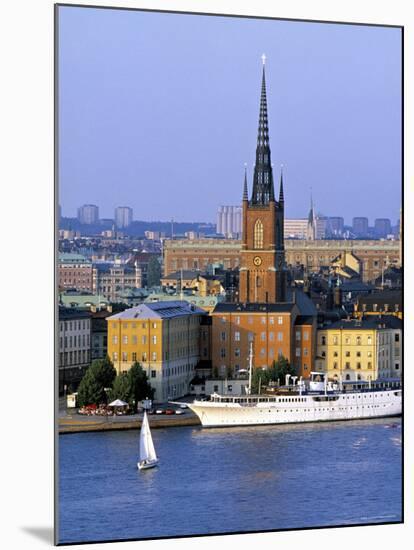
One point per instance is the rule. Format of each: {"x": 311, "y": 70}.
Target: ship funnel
{"x": 287, "y": 379}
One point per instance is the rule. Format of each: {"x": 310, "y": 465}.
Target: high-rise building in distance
{"x": 123, "y": 216}
{"x": 382, "y": 227}
{"x": 335, "y": 226}
{"x": 88, "y": 214}
{"x": 360, "y": 227}
{"x": 229, "y": 221}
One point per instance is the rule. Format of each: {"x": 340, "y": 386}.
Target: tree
{"x": 121, "y": 389}
{"x": 154, "y": 272}
{"x": 100, "y": 375}
{"x": 139, "y": 385}
{"x": 276, "y": 372}
{"x": 280, "y": 369}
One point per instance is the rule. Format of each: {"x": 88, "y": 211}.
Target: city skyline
{"x": 346, "y": 126}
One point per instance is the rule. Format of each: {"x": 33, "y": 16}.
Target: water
{"x": 230, "y": 480}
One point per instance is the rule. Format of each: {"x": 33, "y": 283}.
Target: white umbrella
{"x": 117, "y": 403}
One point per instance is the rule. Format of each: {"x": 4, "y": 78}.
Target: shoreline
{"x": 68, "y": 425}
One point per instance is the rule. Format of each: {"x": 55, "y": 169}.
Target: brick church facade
{"x": 278, "y": 320}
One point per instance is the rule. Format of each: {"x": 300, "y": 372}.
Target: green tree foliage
{"x": 100, "y": 375}
{"x": 121, "y": 389}
{"x": 139, "y": 386}
{"x": 278, "y": 371}
{"x": 154, "y": 272}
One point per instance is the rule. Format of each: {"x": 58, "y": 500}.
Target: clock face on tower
{"x": 257, "y": 260}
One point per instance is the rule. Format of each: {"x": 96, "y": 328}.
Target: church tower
{"x": 262, "y": 262}
{"x": 311, "y": 227}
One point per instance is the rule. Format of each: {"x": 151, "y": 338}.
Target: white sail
{"x": 146, "y": 446}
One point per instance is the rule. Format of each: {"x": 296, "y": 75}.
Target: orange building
{"x": 284, "y": 329}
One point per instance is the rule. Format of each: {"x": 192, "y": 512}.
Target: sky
{"x": 159, "y": 112}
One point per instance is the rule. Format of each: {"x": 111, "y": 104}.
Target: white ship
{"x": 318, "y": 401}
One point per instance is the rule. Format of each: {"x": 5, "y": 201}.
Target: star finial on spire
{"x": 263, "y": 59}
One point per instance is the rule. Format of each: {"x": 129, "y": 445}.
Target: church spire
{"x": 245, "y": 193}
{"x": 263, "y": 190}
{"x": 281, "y": 195}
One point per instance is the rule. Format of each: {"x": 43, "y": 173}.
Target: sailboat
{"x": 147, "y": 455}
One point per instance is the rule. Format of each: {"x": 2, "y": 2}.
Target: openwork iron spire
{"x": 281, "y": 195}
{"x": 245, "y": 193}
{"x": 263, "y": 190}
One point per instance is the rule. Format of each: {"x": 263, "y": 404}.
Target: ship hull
{"x": 298, "y": 409}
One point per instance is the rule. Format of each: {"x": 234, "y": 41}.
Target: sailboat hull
{"x": 147, "y": 464}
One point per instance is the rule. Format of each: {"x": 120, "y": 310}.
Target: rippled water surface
{"x": 227, "y": 480}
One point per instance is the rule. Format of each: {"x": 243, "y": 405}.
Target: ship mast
{"x": 250, "y": 367}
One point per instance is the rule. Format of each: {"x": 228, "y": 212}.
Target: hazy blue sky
{"x": 160, "y": 111}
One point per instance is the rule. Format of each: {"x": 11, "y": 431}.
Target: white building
{"x": 74, "y": 345}
{"x": 123, "y": 216}
{"x": 229, "y": 221}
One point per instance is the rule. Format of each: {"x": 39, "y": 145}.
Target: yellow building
{"x": 360, "y": 349}
{"x": 164, "y": 337}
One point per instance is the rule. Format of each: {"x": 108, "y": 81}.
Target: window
{"x": 223, "y": 337}
{"x": 125, "y": 339}
{"x": 134, "y": 356}
{"x": 250, "y": 337}
{"x": 297, "y": 352}
{"x": 124, "y": 356}
{"x": 263, "y": 320}
{"x": 215, "y": 389}
{"x": 358, "y": 340}
{"x": 258, "y": 234}
{"x": 262, "y": 352}
{"x": 154, "y": 356}
{"x": 280, "y": 336}
{"x": 237, "y": 336}
{"x": 297, "y": 336}
{"x": 323, "y": 340}
{"x": 114, "y": 339}
{"x": 347, "y": 354}
{"x": 237, "y": 352}
{"x": 347, "y": 340}
{"x": 358, "y": 354}
{"x": 144, "y": 356}
{"x": 335, "y": 365}
{"x": 335, "y": 340}
{"x": 263, "y": 336}
{"x": 369, "y": 365}
{"x": 237, "y": 320}
{"x": 271, "y": 336}
{"x": 250, "y": 320}
{"x": 114, "y": 356}
{"x": 223, "y": 353}
{"x": 134, "y": 340}
{"x": 154, "y": 339}
{"x": 153, "y": 374}
{"x": 305, "y": 351}
{"x": 144, "y": 339}
{"x": 335, "y": 354}
{"x": 347, "y": 365}
{"x": 272, "y": 320}
{"x": 306, "y": 335}
{"x": 396, "y": 337}
{"x": 280, "y": 320}
{"x": 358, "y": 365}
{"x": 154, "y": 325}
{"x": 125, "y": 326}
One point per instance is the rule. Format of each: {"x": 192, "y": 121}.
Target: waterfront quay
{"x": 71, "y": 422}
